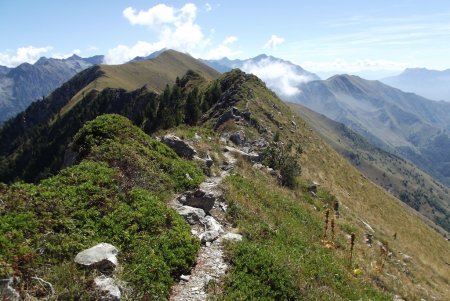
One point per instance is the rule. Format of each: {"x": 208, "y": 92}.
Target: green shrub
{"x": 285, "y": 158}
{"x": 257, "y": 276}
{"x": 117, "y": 194}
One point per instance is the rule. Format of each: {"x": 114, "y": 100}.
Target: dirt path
{"x": 210, "y": 264}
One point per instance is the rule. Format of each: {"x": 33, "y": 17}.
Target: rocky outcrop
{"x": 199, "y": 199}
{"x": 101, "y": 256}
{"x": 209, "y": 236}
{"x": 252, "y": 157}
{"x": 182, "y": 148}
{"x": 212, "y": 224}
{"x": 191, "y": 214}
{"x": 7, "y": 291}
{"x": 238, "y": 138}
{"x": 107, "y": 286}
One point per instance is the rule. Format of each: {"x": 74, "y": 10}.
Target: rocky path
{"x": 204, "y": 210}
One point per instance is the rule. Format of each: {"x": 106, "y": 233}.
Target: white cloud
{"x": 28, "y": 54}
{"x": 208, "y": 7}
{"x": 175, "y": 28}
{"x": 273, "y": 42}
{"x": 123, "y": 53}
{"x": 223, "y": 50}
{"x": 280, "y": 76}
{"x": 356, "y": 66}
{"x": 92, "y": 48}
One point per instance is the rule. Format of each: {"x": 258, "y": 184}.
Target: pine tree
{"x": 192, "y": 109}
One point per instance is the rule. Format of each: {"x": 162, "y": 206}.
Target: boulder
{"x": 238, "y": 138}
{"x": 208, "y": 236}
{"x": 199, "y": 199}
{"x": 190, "y": 214}
{"x": 182, "y": 148}
{"x": 7, "y": 292}
{"x": 231, "y": 237}
{"x": 212, "y": 224}
{"x": 109, "y": 289}
{"x": 252, "y": 157}
{"x": 102, "y": 256}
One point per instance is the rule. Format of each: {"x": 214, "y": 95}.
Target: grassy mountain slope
{"x": 263, "y": 212}
{"x": 403, "y": 123}
{"x": 283, "y": 255}
{"x": 396, "y": 175}
{"x": 154, "y": 74}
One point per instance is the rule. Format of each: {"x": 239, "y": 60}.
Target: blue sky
{"x": 369, "y": 38}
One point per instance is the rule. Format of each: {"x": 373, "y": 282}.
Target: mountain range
{"x": 22, "y": 85}
{"x": 432, "y": 84}
{"x": 399, "y": 122}
{"x": 99, "y": 177}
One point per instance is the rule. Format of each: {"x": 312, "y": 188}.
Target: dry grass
{"x": 154, "y": 74}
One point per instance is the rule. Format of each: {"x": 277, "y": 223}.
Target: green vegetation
{"x": 283, "y": 257}
{"x": 285, "y": 158}
{"x": 43, "y": 226}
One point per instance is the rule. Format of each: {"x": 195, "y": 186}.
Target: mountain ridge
{"x": 402, "y": 123}
{"x": 432, "y": 84}
{"x": 22, "y": 85}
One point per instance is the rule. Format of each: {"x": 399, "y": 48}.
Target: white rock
{"x": 107, "y": 285}
{"x": 212, "y": 224}
{"x": 102, "y": 256}
{"x": 208, "y": 236}
{"x": 185, "y": 277}
{"x": 231, "y": 237}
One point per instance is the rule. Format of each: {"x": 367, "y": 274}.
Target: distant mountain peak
{"x": 150, "y": 56}
{"x": 42, "y": 60}
{"x": 74, "y": 57}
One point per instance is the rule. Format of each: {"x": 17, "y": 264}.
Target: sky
{"x": 372, "y": 39}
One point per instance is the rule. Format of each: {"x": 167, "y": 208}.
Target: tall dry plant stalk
{"x": 332, "y": 229}
{"x": 327, "y": 215}
{"x": 352, "y": 245}
{"x": 383, "y": 257}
